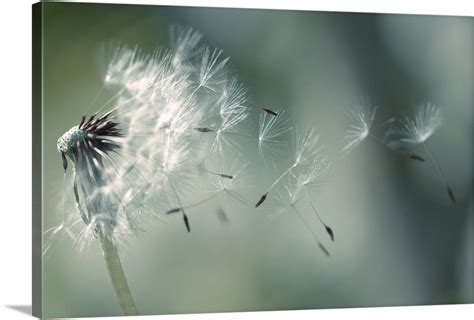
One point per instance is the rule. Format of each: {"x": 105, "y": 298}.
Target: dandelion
{"x": 306, "y": 148}
{"x": 138, "y": 151}
{"x": 89, "y": 145}
{"x": 409, "y": 133}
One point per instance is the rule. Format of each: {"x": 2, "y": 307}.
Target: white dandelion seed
{"x": 307, "y": 146}
{"x": 212, "y": 69}
{"x": 313, "y": 178}
{"x": 232, "y": 183}
{"x": 184, "y": 42}
{"x": 410, "y": 133}
{"x": 363, "y": 119}
{"x": 307, "y": 149}
{"x": 227, "y": 186}
{"x": 223, "y": 121}
{"x": 233, "y": 98}
{"x": 272, "y": 129}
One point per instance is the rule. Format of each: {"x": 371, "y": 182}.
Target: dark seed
{"x": 222, "y": 215}
{"x": 226, "y": 176}
{"x": 451, "y": 195}
{"x": 82, "y": 122}
{"x": 415, "y": 157}
{"x": 174, "y": 210}
{"x": 186, "y": 222}
{"x": 329, "y": 231}
{"x": 63, "y": 156}
{"x": 323, "y": 249}
{"x": 261, "y": 200}
{"x": 129, "y": 169}
{"x": 204, "y": 129}
{"x": 273, "y": 113}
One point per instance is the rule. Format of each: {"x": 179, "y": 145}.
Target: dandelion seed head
{"x": 69, "y": 139}
{"x": 138, "y": 151}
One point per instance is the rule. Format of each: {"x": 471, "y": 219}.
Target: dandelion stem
{"x": 64, "y": 198}
{"x": 441, "y": 174}
{"x": 117, "y": 276}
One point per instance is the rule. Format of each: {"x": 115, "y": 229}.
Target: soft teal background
{"x": 398, "y": 239}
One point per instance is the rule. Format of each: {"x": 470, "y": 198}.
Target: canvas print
{"x": 191, "y": 160}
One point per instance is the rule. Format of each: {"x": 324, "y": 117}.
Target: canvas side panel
{"x": 471, "y": 236}
{"x": 37, "y": 145}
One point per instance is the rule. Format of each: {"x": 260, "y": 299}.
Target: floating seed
{"x": 330, "y": 232}
{"x": 186, "y": 222}
{"x": 261, "y": 200}
{"x": 323, "y": 249}
{"x": 415, "y": 157}
{"x": 451, "y": 194}
{"x": 269, "y": 111}
{"x": 204, "y": 129}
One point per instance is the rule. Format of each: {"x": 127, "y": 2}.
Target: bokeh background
{"x": 399, "y": 240}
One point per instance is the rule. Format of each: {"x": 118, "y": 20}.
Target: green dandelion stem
{"x": 117, "y": 276}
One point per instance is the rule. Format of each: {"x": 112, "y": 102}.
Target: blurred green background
{"x": 399, "y": 241}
